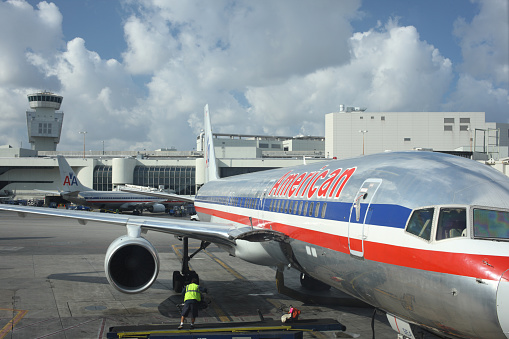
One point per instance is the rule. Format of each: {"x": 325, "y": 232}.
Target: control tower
{"x": 44, "y": 123}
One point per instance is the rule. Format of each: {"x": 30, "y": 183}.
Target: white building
{"x": 350, "y": 133}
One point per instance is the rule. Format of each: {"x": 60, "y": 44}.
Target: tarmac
{"x": 52, "y": 285}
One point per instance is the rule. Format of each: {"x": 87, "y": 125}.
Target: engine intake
{"x": 156, "y": 208}
{"x": 131, "y": 264}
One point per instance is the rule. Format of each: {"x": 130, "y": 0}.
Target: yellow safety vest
{"x": 192, "y": 292}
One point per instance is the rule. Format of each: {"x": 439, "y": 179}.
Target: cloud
{"x": 483, "y": 83}
{"x": 24, "y": 30}
{"x": 263, "y": 67}
{"x": 217, "y": 51}
{"x": 484, "y": 42}
{"x": 381, "y": 75}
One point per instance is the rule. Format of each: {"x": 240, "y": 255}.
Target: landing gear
{"x": 312, "y": 284}
{"x": 180, "y": 279}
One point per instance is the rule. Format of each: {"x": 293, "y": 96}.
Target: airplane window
{"x": 420, "y": 223}
{"x": 491, "y": 224}
{"x": 278, "y": 209}
{"x": 311, "y": 208}
{"x": 305, "y": 210}
{"x": 296, "y": 209}
{"x": 452, "y": 223}
{"x": 271, "y": 205}
{"x": 324, "y": 208}
{"x": 290, "y": 208}
{"x": 286, "y": 206}
{"x": 317, "y": 209}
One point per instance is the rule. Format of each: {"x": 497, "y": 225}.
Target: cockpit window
{"x": 491, "y": 224}
{"x": 452, "y": 223}
{"x": 420, "y": 223}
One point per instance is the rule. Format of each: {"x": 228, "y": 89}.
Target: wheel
{"x": 312, "y": 284}
{"x": 178, "y": 281}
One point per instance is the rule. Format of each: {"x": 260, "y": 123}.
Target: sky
{"x": 136, "y": 74}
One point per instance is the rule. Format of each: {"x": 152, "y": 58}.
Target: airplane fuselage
{"x": 112, "y": 200}
{"x": 422, "y": 236}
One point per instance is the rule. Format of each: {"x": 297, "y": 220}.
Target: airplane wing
{"x": 162, "y": 195}
{"x": 223, "y": 234}
{"x": 61, "y": 193}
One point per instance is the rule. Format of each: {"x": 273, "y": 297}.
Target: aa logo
{"x": 70, "y": 180}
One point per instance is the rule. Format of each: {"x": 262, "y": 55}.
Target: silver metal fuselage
{"x": 355, "y": 239}
{"x": 111, "y": 200}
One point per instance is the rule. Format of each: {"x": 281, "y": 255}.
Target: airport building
{"x": 32, "y": 173}
{"x": 44, "y": 121}
{"x": 354, "y": 131}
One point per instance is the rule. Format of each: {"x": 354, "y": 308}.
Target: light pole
{"x": 363, "y": 131}
{"x": 84, "y": 133}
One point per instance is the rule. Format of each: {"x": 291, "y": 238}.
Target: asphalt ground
{"x": 52, "y": 285}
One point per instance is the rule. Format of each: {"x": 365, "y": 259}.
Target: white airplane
{"x": 421, "y": 236}
{"x": 77, "y": 193}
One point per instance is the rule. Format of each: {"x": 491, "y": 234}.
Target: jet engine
{"x": 156, "y": 208}
{"x": 131, "y": 264}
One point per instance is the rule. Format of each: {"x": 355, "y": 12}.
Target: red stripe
{"x": 118, "y": 201}
{"x": 479, "y": 266}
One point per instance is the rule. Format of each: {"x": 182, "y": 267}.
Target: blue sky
{"x": 137, "y": 73}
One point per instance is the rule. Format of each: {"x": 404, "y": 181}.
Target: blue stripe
{"x": 379, "y": 214}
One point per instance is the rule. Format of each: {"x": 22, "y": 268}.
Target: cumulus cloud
{"x": 483, "y": 83}
{"x": 484, "y": 42}
{"x": 264, "y": 67}
{"x": 381, "y": 75}
{"x": 214, "y": 52}
{"x": 24, "y": 30}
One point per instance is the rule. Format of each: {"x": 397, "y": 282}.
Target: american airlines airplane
{"x": 77, "y": 193}
{"x": 421, "y": 236}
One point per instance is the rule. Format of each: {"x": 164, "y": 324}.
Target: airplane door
{"x": 259, "y": 207}
{"x": 358, "y": 212}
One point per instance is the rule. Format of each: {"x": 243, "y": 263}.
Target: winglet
{"x": 68, "y": 179}
{"x": 210, "y": 154}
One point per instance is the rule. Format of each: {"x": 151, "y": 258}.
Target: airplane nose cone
{"x": 503, "y": 303}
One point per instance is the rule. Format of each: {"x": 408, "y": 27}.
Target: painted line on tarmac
{"x": 10, "y": 325}
{"x": 101, "y": 329}
{"x": 34, "y": 324}
{"x": 225, "y": 266}
{"x": 67, "y": 328}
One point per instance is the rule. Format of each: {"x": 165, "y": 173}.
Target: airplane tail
{"x": 68, "y": 179}
{"x": 211, "y": 172}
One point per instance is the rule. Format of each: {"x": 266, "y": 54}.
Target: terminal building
{"x": 352, "y": 132}
{"x": 26, "y": 174}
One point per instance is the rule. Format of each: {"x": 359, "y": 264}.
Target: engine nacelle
{"x": 156, "y": 208}
{"x": 131, "y": 264}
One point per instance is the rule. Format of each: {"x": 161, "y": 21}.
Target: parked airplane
{"x": 421, "y": 236}
{"x": 79, "y": 194}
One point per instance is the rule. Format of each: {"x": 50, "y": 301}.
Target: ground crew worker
{"x": 192, "y": 298}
